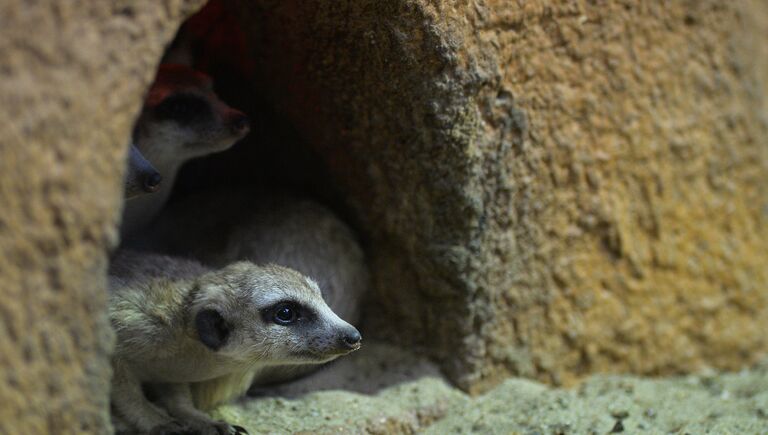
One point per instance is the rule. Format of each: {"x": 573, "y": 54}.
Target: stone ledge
{"x": 726, "y": 403}
{"x": 712, "y": 403}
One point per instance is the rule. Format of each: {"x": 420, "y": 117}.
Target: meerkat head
{"x": 141, "y": 177}
{"x": 269, "y": 314}
{"x": 183, "y": 118}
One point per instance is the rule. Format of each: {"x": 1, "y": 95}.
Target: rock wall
{"x": 72, "y": 77}
{"x": 549, "y": 189}
{"x": 546, "y": 189}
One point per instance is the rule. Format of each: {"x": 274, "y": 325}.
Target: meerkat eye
{"x": 184, "y": 109}
{"x": 285, "y": 314}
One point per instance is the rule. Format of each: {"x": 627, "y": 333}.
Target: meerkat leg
{"x": 213, "y": 392}
{"x": 132, "y": 406}
{"x": 176, "y": 398}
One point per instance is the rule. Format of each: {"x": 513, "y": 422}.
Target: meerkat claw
{"x": 239, "y": 430}
{"x": 173, "y": 428}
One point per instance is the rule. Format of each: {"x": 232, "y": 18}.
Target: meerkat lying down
{"x": 221, "y": 226}
{"x": 193, "y": 338}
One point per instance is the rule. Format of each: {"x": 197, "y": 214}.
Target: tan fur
{"x": 155, "y": 302}
{"x": 208, "y": 394}
{"x": 218, "y": 227}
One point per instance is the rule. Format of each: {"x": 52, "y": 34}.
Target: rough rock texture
{"x": 715, "y": 404}
{"x": 72, "y": 77}
{"x": 712, "y": 403}
{"x": 548, "y": 188}
{"x": 378, "y": 389}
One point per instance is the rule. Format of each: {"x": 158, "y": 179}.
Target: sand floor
{"x": 384, "y": 390}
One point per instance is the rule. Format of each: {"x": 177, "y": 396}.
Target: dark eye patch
{"x": 287, "y": 313}
{"x": 185, "y": 109}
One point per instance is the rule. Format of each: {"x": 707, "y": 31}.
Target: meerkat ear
{"x": 211, "y": 328}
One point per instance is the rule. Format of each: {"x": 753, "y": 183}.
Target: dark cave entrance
{"x": 275, "y": 155}
{"x": 362, "y": 107}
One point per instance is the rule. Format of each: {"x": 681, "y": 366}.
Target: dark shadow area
{"x": 274, "y": 156}
{"x": 371, "y": 369}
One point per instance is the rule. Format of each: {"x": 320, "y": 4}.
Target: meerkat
{"x": 140, "y": 177}
{"x": 182, "y": 118}
{"x": 194, "y": 338}
{"x": 230, "y": 225}
{"x": 219, "y": 226}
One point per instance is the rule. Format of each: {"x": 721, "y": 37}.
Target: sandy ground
{"x": 382, "y": 389}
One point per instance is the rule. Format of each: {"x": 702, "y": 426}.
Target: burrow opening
{"x": 275, "y": 155}
{"x": 280, "y": 154}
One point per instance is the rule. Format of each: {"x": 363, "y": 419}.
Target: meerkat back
{"x": 147, "y": 300}
{"x": 306, "y": 236}
{"x": 129, "y": 266}
{"x": 216, "y": 228}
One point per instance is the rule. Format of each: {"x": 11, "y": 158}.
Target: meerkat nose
{"x": 152, "y": 182}
{"x": 240, "y": 124}
{"x": 351, "y": 339}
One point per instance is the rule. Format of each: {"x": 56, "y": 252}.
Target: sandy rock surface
{"x": 72, "y": 79}
{"x": 385, "y": 390}
{"x": 547, "y": 189}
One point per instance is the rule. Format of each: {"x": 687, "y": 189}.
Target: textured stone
{"x": 72, "y": 77}
{"x": 730, "y": 403}
{"x": 712, "y": 403}
{"x": 547, "y": 188}
{"x": 379, "y": 389}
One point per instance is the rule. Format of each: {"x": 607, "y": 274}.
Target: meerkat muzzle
{"x": 350, "y": 340}
{"x": 239, "y": 123}
{"x": 152, "y": 182}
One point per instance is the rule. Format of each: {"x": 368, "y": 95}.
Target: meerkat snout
{"x": 141, "y": 177}
{"x": 152, "y": 182}
{"x": 239, "y": 123}
{"x": 351, "y": 339}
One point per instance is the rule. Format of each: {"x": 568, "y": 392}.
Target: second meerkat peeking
{"x": 182, "y": 118}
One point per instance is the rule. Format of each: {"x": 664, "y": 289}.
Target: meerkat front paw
{"x": 175, "y": 428}
{"x": 198, "y": 428}
{"x": 224, "y": 428}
